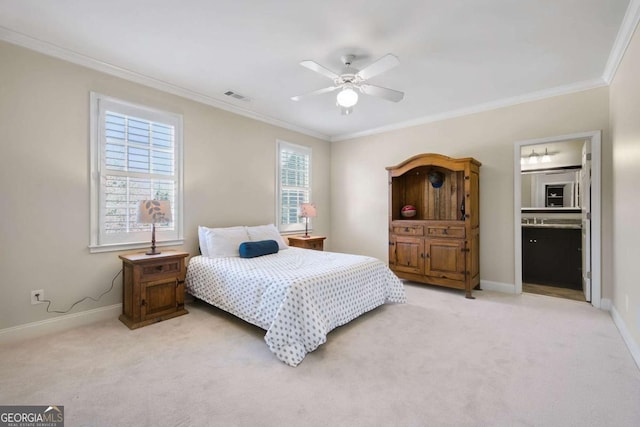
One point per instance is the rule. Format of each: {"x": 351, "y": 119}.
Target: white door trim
{"x": 596, "y": 210}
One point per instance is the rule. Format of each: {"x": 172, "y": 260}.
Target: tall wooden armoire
{"x": 434, "y": 224}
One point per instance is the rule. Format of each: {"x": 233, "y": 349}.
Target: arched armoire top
{"x": 431, "y": 159}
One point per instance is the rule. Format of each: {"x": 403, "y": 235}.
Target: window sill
{"x": 128, "y": 246}
{"x": 294, "y": 232}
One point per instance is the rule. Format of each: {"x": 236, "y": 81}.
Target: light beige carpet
{"x": 440, "y": 360}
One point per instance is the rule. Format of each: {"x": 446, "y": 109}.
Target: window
{"x": 294, "y": 185}
{"x": 136, "y": 154}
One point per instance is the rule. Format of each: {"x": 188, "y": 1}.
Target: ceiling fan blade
{"x": 315, "y": 92}
{"x": 314, "y": 66}
{"x": 380, "y": 66}
{"x": 382, "y": 92}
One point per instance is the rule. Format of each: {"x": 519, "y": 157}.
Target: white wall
{"x": 625, "y": 133}
{"x": 359, "y": 185}
{"x": 229, "y": 179}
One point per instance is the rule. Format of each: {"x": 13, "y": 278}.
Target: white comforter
{"x": 297, "y": 295}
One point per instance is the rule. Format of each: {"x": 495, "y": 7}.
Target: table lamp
{"x": 153, "y": 212}
{"x": 307, "y": 210}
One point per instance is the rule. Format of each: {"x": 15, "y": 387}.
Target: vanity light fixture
{"x": 533, "y": 157}
{"x": 546, "y": 158}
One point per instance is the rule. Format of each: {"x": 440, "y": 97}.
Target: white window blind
{"x": 294, "y": 185}
{"x": 136, "y": 155}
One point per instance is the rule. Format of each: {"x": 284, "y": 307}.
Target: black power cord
{"x": 79, "y": 301}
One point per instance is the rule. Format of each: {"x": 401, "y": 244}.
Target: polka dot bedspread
{"x": 297, "y": 295}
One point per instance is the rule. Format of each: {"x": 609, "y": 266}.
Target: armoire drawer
{"x": 445, "y": 231}
{"x": 408, "y": 230}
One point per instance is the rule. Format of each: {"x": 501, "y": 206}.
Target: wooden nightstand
{"x": 152, "y": 287}
{"x": 311, "y": 242}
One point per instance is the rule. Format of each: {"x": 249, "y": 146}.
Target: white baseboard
{"x": 58, "y": 324}
{"x": 605, "y": 304}
{"x": 508, "y": 288}
{"x": 633, "y": 346}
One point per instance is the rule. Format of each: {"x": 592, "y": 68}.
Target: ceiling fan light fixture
{"x": 352, "y": 81}
{"x": 346, "y": 111}
{"x": 347, "y": 98}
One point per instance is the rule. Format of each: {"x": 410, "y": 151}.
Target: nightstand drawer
{"x": 311, "y": 242}
{"x": 317, "y": 245}
{"x": 160, "y": 268}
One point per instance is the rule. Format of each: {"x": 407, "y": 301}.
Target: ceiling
{"x": 455, "y": 56}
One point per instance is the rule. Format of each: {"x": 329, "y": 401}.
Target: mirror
{"x": 550, "y": 175}
{"x": 551, "y": 188}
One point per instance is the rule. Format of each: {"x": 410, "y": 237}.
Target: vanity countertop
{"x": 536, "y": 222}
{"x": 553, "y": 225}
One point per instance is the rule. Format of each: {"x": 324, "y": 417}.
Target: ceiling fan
{"x": 351, "y": 81}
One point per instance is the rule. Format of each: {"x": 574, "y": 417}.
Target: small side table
{"x": 311, "y": 242}
{"x": 152, "y": 287}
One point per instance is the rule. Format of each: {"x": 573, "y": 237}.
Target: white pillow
{"x": 266, "y": 232}
{"x": 225, "y": 242}
{"x": 202, "y": 240}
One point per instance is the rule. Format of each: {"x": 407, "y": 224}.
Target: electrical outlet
{"x": 37, "y": 299}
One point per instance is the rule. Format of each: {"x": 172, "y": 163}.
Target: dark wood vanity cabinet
{"x": 440, "y": 243}
{"x": 552, "y": 256}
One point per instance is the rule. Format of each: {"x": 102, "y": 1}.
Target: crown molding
{"x": 494, "y": 105}
{"x": 68, "y": 55}
{"x": 625, "y": 34}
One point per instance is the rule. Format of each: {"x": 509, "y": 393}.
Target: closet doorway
{"x": 560, "y": 197}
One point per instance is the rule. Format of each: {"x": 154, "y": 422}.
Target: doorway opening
{"x": 563, "y": 204}
{"x": 554, "y": 291}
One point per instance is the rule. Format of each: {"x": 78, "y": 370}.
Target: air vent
{"x": 237, "y": 96}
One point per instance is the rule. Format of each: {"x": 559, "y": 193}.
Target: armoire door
{"x": 445, "y": 258}
{"x": 407, "y": 254}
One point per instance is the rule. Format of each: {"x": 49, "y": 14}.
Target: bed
{"x": 296, "y": 295}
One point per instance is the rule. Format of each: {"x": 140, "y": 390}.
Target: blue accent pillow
{"x": 259, "y": 248}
